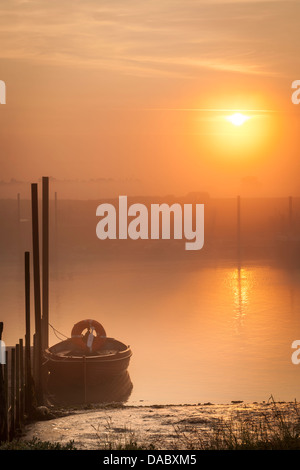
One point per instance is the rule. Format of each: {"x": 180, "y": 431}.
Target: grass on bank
{"x": 36, "y": 444}
{"x": 276, "y": 429}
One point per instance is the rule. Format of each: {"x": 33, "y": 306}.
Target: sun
{"x": 237, "y": 119}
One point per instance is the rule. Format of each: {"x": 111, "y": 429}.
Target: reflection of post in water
{"x": 239, "y": 257}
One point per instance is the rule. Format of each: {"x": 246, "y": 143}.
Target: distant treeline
{"x": 268, "y": 226}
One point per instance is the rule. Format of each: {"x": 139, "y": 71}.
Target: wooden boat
{"x": 88, "y": 358}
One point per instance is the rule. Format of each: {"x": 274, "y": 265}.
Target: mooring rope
{"x": 55, "y": 331}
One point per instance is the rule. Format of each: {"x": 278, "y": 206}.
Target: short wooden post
{"x": 12, "y": 392}
{"x": 34, "y": 367}
{"x": 21, "y": 380}
{"x": 3, "y": 401}
{"x": 17, "y": 393}
{"x": 6, "y": 387}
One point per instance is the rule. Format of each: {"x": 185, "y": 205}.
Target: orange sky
{"x": 132, "y": 95}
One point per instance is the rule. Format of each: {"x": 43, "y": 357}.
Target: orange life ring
{"x": 77, "y": 337}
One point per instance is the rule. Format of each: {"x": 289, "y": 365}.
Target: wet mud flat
{"x": 162, "y": 427}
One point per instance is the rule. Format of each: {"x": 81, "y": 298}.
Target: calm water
{"x": 198, "y": 334}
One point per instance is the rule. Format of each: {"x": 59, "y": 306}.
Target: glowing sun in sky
{"x": 237, "y": 119}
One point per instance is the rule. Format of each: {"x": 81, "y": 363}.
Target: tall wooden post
{"x": 45, "y": 266}
{"x": 37, "y": 290}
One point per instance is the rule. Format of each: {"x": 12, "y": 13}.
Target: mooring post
{"x": 22, "y": 388}
{"x": 12, "y": 391}
{"x": 28, "y": 404}
{"x": 37, "y": 290}
{"x": 45, "y": 265}
{"x": 3, "y": 398}
{"x": 6, "y": 387}
{"x": 18, "y": 420}
{"x": 34, "y": 369}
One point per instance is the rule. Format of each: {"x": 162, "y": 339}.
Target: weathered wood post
{"x": 37, "y": 291}
{"x": 45, "y": 263}
{"x": 12, "y": 391}
{"x": 6, "y": 387}
{"x": 3, "y": 398}
{"x": 17, "y": 394}
{"x": 28, "y": 371}
{"x": 22, "y": 385}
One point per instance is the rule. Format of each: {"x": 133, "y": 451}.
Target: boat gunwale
{"x": 105, "y": 358}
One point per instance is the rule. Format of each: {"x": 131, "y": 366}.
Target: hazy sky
{"x": 134, "y": 95}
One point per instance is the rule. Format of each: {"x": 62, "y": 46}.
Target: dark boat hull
{"x": 69, "y": 365}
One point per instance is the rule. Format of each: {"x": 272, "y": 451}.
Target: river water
{"x": 198, "y": 333}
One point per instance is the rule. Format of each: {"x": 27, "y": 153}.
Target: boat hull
{"x": 77, "y": 373}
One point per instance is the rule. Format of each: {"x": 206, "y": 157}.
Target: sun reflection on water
{"x": 240, "y": 281}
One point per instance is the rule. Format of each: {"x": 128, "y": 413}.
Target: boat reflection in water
{"x": 114, "y": 389}
{"x": 88, "y": 368}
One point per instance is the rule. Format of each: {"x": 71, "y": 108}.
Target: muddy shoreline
{"x": 162, "y": 427}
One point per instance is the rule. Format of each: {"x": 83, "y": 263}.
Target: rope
{"x": 55, "y": 331}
